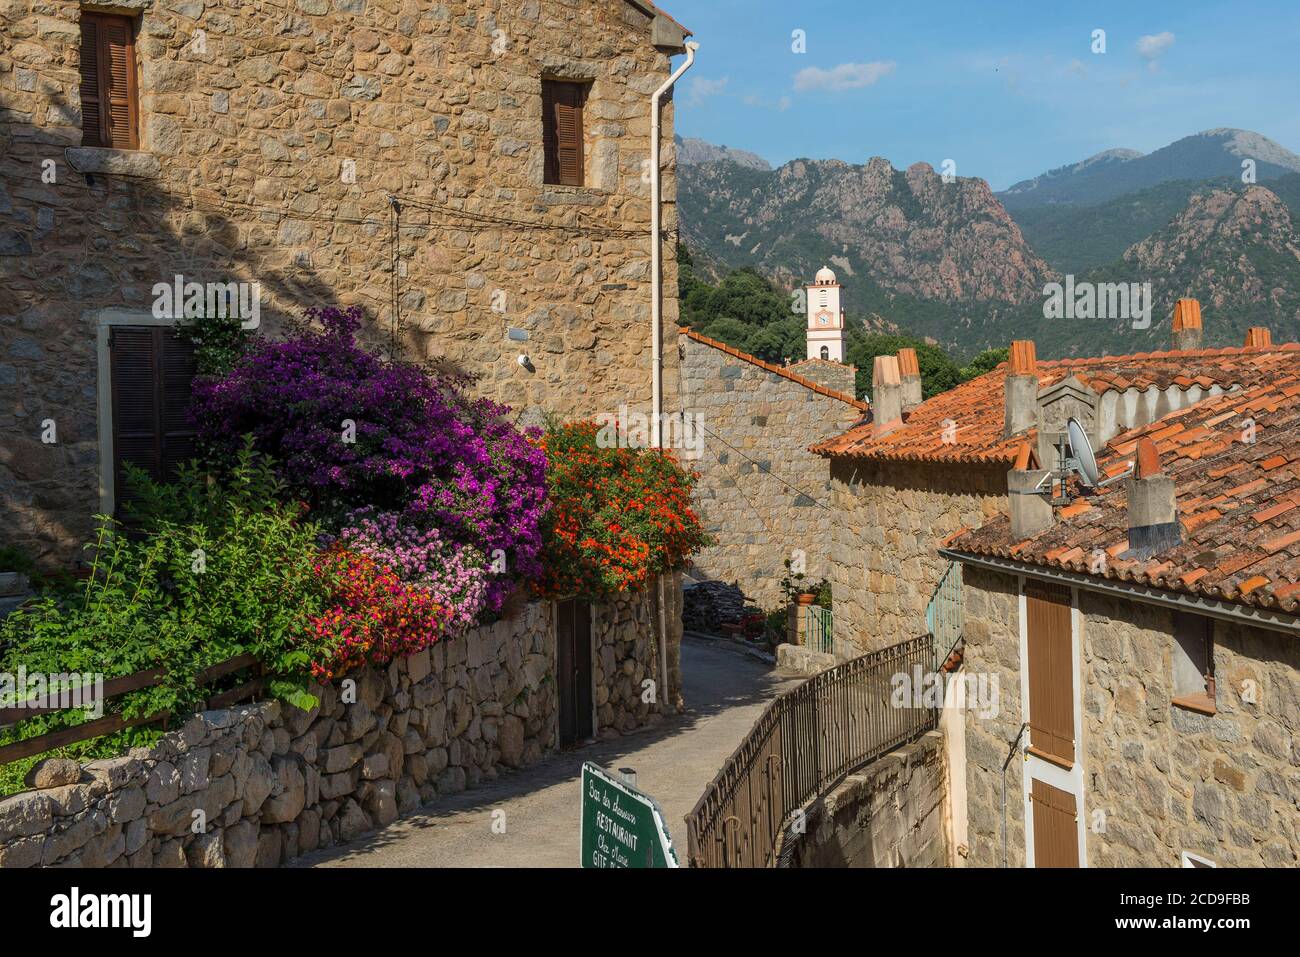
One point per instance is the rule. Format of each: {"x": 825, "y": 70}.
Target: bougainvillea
{"x": 454, "y": 576}
{"x": 617, "y": 517}
{"x": 349, "y": 428}
{"x": 372, "y": 618}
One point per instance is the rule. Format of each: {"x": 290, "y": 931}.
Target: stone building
{"x": 761, "y": 494}
{"x": 471, "y": 173}
{"x": 1143, "y": 641}
{"x": 918, "y": 472}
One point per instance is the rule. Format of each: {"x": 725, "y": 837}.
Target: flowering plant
{"x": 618, "y": 516}
{"x": 348, "y": 428}
{"x": 454, "y": 576}
{"x": 372, "y": 618}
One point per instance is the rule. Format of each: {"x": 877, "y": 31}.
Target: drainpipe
{"x": 1010, "y": 754}
{"x": 656, "y": 254}
{"x": 656, "y": 328}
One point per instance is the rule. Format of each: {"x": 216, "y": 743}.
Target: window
{"x": 152, "y": 373}
{"x": 1050, "y": 657}
{"x": 1056, "y": 829}
{"x": 562, "y": 138}
{"x": 826, "y": 352}
{"x": 109, "y": 106}
{"x": 1193, "y": 662}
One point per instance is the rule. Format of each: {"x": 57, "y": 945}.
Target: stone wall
{"x": 890, "y": 814}
{"x": 833, "y": 375}
{"x": 271, "y": 782}
{"x": 889, "y": 518}
{"x": 626, "y": 635}
{"x": 1161, "y": 779}
{"x": 760, "y": 488}
{"x": 248, "y": 143}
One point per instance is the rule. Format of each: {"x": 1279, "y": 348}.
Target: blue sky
{"x": 1006, "y": 90}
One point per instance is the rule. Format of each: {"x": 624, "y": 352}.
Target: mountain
{"x": 693, "y": 152}
{"x": 907, "y": 233}
{"x": 1208, "y": 155}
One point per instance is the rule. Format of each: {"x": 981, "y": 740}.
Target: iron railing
{"x": 804, "y": 744}
{"x": 819, "y": 630}
{"x": 945, "y": 615}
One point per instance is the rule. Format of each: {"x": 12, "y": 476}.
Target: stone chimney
{"x": 1029, "y": 494}
{"x": 1258, "y": 337}
{"x": 886, "y": 394}
{"x": 910, "y": 370}
{"x": 1152, "y": 506}
{"x": 1021, "y": 410}
{"x": 1187, "y": 325}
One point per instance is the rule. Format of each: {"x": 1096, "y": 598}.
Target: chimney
{"x": 1021, "y": 410}
{"x": 1187, "y": 325}
{"x": 1258, "y": 337}
{"x": 910, "y": 370}
{"x": 1031, "y": 510}
{"x": 1152, "y": 506}
{"x": 886, "y": 394}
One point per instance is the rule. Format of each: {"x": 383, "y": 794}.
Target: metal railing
{"x": 805, "y": 743}
{"x": 945, "y": 615}
{"x": 819, "y": 629}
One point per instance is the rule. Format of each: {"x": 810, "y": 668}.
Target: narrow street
{"x": 725, "y": 693}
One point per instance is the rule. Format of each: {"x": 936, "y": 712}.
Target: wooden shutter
{"x": 1051, "y": 672}
{"x": 562, "y": 139}
{"x": 108, "y": 83}
{"x": 1056, "y": 832}
{"x": 152, "y": 372}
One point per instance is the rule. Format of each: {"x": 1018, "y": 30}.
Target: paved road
{"x": 725, "y": 693}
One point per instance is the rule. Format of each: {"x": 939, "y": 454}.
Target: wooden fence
{"x": 247, "y": 689}
{"x": 805, "y": 743}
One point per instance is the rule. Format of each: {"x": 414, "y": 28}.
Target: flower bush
{"x": 374, "y": 616}
{"x": 350, "y": 429}
{"x": 617, "y": 517}
{"x": 454, "y": 576}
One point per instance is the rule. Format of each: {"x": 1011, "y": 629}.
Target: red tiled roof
{"x": 965, "y": 423}
{"x": 779, "y": 370}
{"x": 1238, "y": 502}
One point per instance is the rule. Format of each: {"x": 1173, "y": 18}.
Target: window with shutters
{"x": 152, "y": 372}
{"x": 1056, "y": 830}
{"x": 109, "y": 99}
{"x": 1050, "y": 661}
{"x": 562, "y": 136}
{"x": 1193, "y": 663}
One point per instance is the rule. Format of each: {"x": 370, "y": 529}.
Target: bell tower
{"x": 825, "y": 317}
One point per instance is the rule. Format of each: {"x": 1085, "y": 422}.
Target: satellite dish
{"x": 1081, "y": 452}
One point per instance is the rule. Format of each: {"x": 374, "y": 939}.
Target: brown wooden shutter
{"x": 152, "y": 375}
{"x": 562, "y": 138}
{"x": 1051, "y": 672}
{"x": 92, "y": 121}
{"x": 1056, "y": 833}
{"x": 108, "y": 84}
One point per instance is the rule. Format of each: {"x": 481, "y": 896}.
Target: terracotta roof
{"x": 785, "y": 373}
{"x": 965, "y": 423}
{"x": 1238, "y": 494}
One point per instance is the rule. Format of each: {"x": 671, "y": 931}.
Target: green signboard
{"x": 621, "y": 827}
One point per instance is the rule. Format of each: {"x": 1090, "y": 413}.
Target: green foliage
{"x": 218, "y": 342}
{"x": 938, "y": 372}
{"x": 986, "y": 361}
{"x": 15, "y": 560}
{"x": 212, "y": 571}
{"x": 795, "y": 584}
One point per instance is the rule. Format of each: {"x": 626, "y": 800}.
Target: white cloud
{"x": 846, "y": 76}
{"x": 780, "y": 104}
{"x": 1153, "y": 46}
{"x": 702, "y": 88}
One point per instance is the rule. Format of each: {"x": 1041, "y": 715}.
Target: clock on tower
{"x": 825, "y": 317}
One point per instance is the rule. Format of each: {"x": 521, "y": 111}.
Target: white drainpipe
{"x": 656, "y": 254}
{"x": 656, "y": 332}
